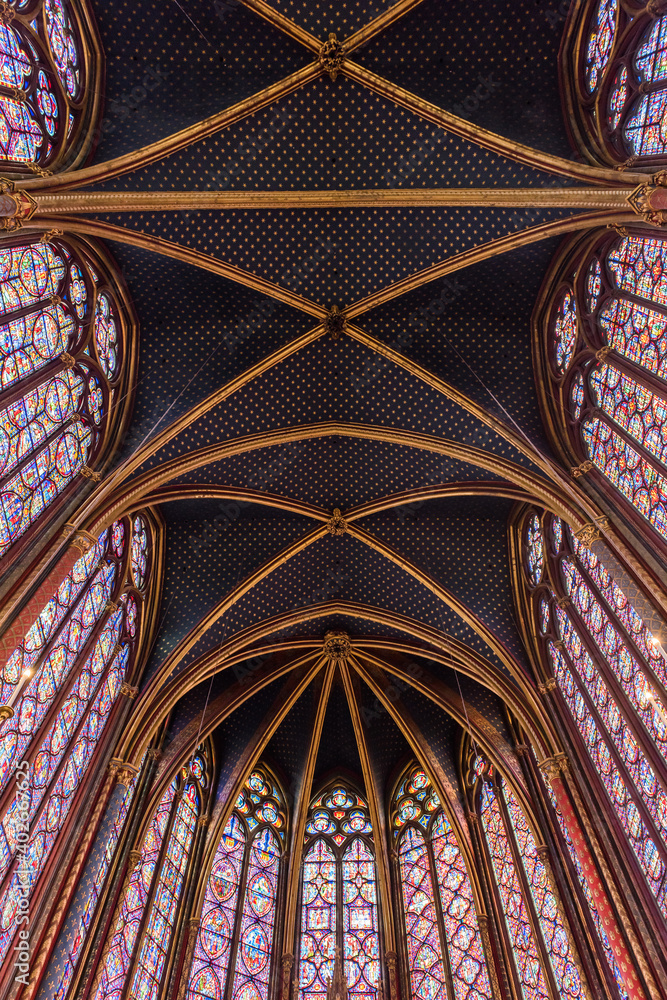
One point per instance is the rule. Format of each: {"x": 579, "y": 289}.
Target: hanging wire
{"x": 201, "y": 726}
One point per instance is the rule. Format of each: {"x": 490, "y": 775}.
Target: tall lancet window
{"x": 438, "y": 904}
{"x": 611, "y": 676}
{"x": 604, "y": 370}
{"x": 339, "y": 896}
{"x": 66, "y": 360}
{"x": 234, "y": 953}
{"x": 544, "y": 965}
{"x": 139, "y": 948}
{"x": 63, "y": 682}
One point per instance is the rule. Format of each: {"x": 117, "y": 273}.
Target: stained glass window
{"x": 441, "y": 926}
{"x": 140, "y": 955}
{"x": 611, "y": 676}
{"x": 614, "y": 414}
{"x": 248, "y": 855}
{"x": 42, "y": 98}
{"x": 52, "y": 313}
{"x": 600, "y": 41}
{"x": 76, "y": 941}
{"x": 339, "y": 897}
{"x": 71, "y": 663}
{"x": 532, "y": 916}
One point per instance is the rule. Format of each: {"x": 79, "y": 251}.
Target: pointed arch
{"x": 615, "y": 82}
{"x": 441, "y": 927}
{"x": 601, "y": 359}
{"x": 50, "y": 86}
{"x": 234, "y": 953}
{"x": 140, "y": 939}
{"x": 67, "y": 369}
{"x": 339, "y": 898}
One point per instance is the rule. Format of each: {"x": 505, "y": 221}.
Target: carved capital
{"x": 522, "y": 749}
{"x": 89, "y": 473}
{"x": 127, "y": 689}
{"x": 287, "y": 960}
{"x": 603, "y": 353}
{"x": 204, "y": 820}
{"x": 16, "y": 206}
{"x": 549, "y": 685}
{"x": 544, "y": 854}
{"x": 472, "y": 818}
{"x": 133, "y": 859}
{"x": 7, "y": 12}
{"x": 335, "y": 323}
{"x": 337, "y": 646}
{"x": 67, "y": 360}
{"x": 580, "y": 470}
{"x": 123, "y": 772}
{"x": 588, "y": 534}
{"x": 6, "y": 712}
{"x": 563, "y": 603}
{"x": 391, "y": 958}
{"x": 553, "y": 766}
{"x": 49, "y": 234}
{"x": 332, "y": 56}
{"x": 110, "y": 606}
{"x": 153, "y": 753}
{"x": 337, "y": 525}
{"x": 81, "y": 540}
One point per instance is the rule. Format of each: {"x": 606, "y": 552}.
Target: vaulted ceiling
{"x": 252, "y": 423}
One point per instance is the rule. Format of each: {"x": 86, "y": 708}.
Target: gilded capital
{"x": 580, "y": 470}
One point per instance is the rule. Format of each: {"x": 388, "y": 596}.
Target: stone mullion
{"x": 128, "y": 858}
{"x": 620, "y": 627}
{"x": 622, "y": 767}
{"x": 626, "y": 708}
{"x": 622, "y": 876}
{"x": 510, "y": 976}
{"x": 567, "y": 882}
{"x": 183, "y": 940}
{"x": 150, "y": 899}
{"x": 398, "y": 913}
{"x": 528, "y": 899}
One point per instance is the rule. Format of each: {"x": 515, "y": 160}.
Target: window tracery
{"x": 50, "y": 62}
{"x": 234, "y": 948}
{"x": 441, "y": 928}
{"x": 615, "y": 62}
{"x": 65, "y": 366}
{"x": 142, "y": 935}
{"x": 543, "y": 958}
{"x": 605, "y": 373}
{"x": 339, "y": 896}
{"x": 65, "y": 678}
{"x": 611, "y": 675}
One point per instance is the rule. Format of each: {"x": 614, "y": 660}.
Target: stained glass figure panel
{"x": 464, "y": 944}
{"x": 253, "y": 959}
{"x": 126, "y": 930}
{"x": 521, "y": 935}
{"x": 318, "y": 921}
{"x": 600, "y": 42}
{"x": 154, "y": 946}
{"x": 212, "y": 950}
{"x": 546, "y": 906}
{"x": 361, "y": 943}
{"x": 425, "y": 960}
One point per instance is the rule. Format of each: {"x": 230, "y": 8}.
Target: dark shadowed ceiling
{"x": 333, "y": 424}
